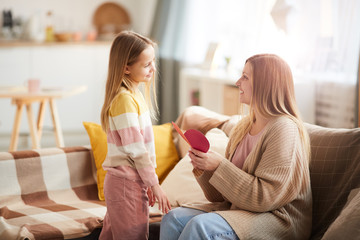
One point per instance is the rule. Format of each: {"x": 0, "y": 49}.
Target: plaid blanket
{"x": 49, "y": 194}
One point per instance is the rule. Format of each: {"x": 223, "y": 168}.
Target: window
{"x": 320, "y": 37}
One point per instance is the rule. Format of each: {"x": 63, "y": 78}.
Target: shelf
{"x": 17, "y": 43}
{"x": 214, "y": 89}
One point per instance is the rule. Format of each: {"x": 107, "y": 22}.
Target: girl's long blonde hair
{"x": 125, "y": 50}
{"x": 273, "y": 95}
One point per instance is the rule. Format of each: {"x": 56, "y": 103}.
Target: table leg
{"x": 16, "y": 127}
{"x": 56, "y": 123}
{"x": 32, "y": 126}
{"x": 40, "y": 119}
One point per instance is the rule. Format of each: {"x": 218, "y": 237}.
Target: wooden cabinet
{"x": 214, "y": 90}
{"x": 231, "y": 104}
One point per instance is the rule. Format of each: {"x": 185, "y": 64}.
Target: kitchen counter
{"x": 19, "y": 43}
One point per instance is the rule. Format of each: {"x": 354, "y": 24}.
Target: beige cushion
{"x": 180, "y": 185}
{"x": 347, "y": 224}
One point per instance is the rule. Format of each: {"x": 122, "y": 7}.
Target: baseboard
{"x": 71, "y": 138}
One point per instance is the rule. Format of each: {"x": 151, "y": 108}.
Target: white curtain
{"x": 332, "y": 36}
{"x": 320, "y": 39}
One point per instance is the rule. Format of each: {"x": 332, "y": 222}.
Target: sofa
{"x": 57, "y": 192}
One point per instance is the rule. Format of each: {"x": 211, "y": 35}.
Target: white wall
{"x": 75, "y": 15}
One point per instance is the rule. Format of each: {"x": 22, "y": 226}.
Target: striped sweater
{"x": 270, "y": 198}
{"x": 130, "y": 137}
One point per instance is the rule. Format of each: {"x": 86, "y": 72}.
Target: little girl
{"x": 131, "y": 183}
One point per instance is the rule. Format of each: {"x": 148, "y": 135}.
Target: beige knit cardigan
{"x": 270, "y": 198}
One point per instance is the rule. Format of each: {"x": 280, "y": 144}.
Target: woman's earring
{"x": 127, "y": 72}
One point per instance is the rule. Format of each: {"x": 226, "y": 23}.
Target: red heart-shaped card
{"x": 194, "y": 138}
{"x": 197, "y": 140}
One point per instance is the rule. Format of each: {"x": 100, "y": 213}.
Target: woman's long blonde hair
{"x": 273, "y": 95}
{"x": 125, "y": 50}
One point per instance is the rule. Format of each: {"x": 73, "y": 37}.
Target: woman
{"x": 261, "y": 190}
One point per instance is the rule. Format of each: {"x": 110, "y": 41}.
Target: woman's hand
{"x": 151, "y": 197}
{"x": 205, "y": 161}
{"x": 164, "y": 203}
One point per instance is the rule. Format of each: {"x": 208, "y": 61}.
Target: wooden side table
{"x": 21, "y": 98}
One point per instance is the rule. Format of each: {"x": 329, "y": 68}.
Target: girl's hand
{"x": 164, "y": 203}
{"x": 151, "y": 197}
{"x": 205, "y": 161}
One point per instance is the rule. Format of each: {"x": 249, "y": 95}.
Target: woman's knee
{"x": 181, "y": 215}
{"x": 199, "y": 222}
{"x": 209, "y": 226}
{"x": 172, "y": 224}
{"x": 169, "y": 217}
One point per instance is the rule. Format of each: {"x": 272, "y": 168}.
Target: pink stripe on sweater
{"x": 130, "y": 135}
{"x": 149, "y": 135}
{"x": 125, "y": 136}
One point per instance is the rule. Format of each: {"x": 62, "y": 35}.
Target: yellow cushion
{"x": 98, "y": 144}
{"x": 165, "y": 150}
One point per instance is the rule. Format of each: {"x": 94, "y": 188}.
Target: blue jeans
{"x": 187, "y": 224}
